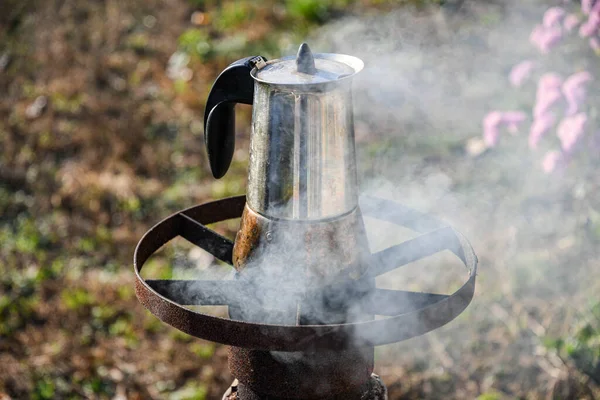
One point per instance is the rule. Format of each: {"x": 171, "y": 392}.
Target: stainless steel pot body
{"x": 302, "y": 155}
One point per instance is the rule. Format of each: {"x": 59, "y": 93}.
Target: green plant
{"x": 138, "y": 42}
{"x": 44, "y": 389}
{"x": 203, "y": 350}
{"x": 583, "y": 345}
{"x": 179, "y": 336}
{"x": 28, "y": 238}
{"x": 64, "y": 104}
{"x": 233, "y": 14}
{"x": 76, "y": 299}
{"x": 191, "y": 391}
{"x": 490, "y": 396}
{"x": 195, "y": 42}
{"x": 152, "y": 324}
{"x": 97, "y": 386}
{"x": 16, "y": 310}
{"x": 315, "y": 11}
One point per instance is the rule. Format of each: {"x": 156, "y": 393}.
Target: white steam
{"x": 430, "y": 77}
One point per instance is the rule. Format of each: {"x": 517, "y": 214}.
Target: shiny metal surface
{"x": 329, "y": 68}
{"x": 302, "y": 155}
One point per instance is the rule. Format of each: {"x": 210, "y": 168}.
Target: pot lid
{"x": 307, "y": 68}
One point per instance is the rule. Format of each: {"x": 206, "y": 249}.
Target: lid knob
{"x": 305, "y": 62}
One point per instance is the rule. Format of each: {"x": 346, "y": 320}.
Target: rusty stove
{"x": 304, "y": 302}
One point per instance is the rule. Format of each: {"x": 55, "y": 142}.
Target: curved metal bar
{"x": 198, "y": 292}
{"x": 398, "y": 214}
{"x": 216, "y": 211}
{"x": 230, "y": 293}
{"x": 198, "y": 234}
{"x": 395, "y": 302}
{"x": 292, "y": 338}
{"x": 411, "y": 250}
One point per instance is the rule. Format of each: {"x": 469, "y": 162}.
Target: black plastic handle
{"x": 234, "y": 85}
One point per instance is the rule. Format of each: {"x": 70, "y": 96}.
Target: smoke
{"x": 430, "y": 78}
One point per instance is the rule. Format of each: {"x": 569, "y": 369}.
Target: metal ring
{"x": 302, "y": 337}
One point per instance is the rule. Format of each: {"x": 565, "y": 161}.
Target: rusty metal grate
{"x": 408, "y": 314}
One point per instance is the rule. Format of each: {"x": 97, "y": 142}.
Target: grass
{"x": 582, "y": 344}
{"x": 242, "y": 27}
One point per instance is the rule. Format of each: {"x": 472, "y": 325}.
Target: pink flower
{"x": 545, "y": 38}
{"x": 548, "y": 93}
{"x": 546, "y": 98}
{"x": 549, "y": 81}
{"x": 520, "y": 72}
{"x": 574, "y": 100}
{"x": 578, "y": 79}
{"x": 513, "y": 119}
{"x": 595, "y": 44}
{"x": 540, "y": 126}
{"x": 575, "y": 91}
{"x": 570, "y": 22}
{"x": 491, "y": 124}
{"x": 490, "y": 136}
{"x": 494, "y": 120}
{"x": 586, "y": 6}
{"x": 552, "y": 160}
{"x": 536, "y": 34}
{"x": 570, "y": 130}
{"x": 590, "y": 27}
{"x": 553, "y": 16}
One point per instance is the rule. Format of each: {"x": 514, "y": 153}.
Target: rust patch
{"x": 326, "y": 251}
{"x": 248, "y": 238}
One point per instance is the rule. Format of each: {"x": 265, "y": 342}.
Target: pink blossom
{"x": 549, "y": 81}
{"x": 570, "y": 130}
{"x": 540, "y": 126}
{"x": 548, "y": 93}
{"x": 492, "y": 119}
{"x": 491, "y": 131}
{"x": 575, "y": 99}
{"x": 586, "y": 6}
{"x": 545, "y": 38}
{"x": 546, "y": 98}
{"x": 553, "y": 16}
{"x": 495, "y": 120}
{"x": 520, "y": 72}
{"x": 575, "y": 91}
{"x": 536, "y": 33}
{"x": 590, "y": 27}
{"x": 513, "y": 119}
{"x": 570, "y": 22}
{"x": 578, "y": 79}
{"x": 595, "y": 44}
{"x": 552, "y": 160}
{"x": 490, "y": 136}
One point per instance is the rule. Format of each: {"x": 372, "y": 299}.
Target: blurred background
{"x": 101, "y": 136}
